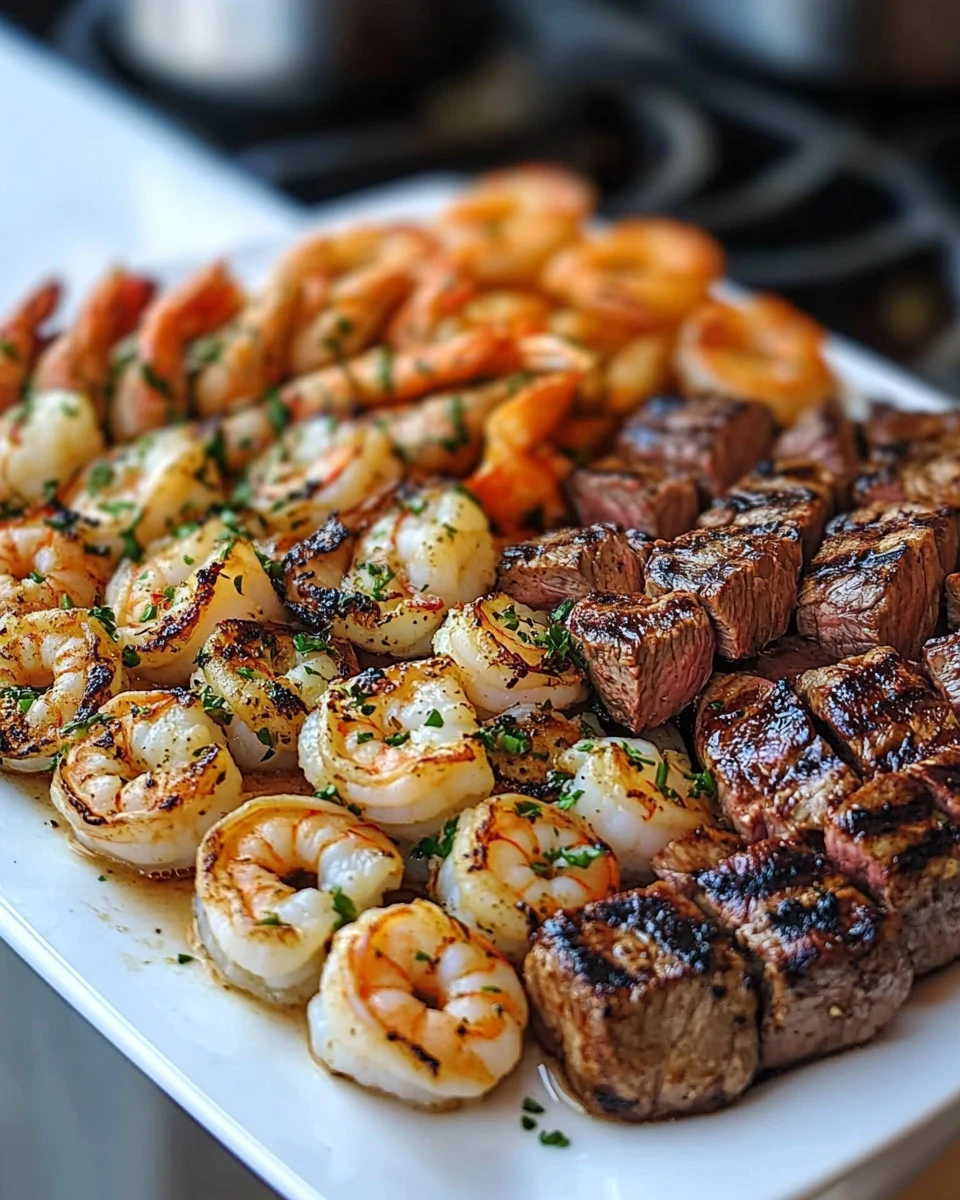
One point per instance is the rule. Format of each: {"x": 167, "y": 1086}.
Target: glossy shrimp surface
{"x": 276, "y": 879}
{"x": 414, "y": 1004}
{"x": 514, "y": 861}
{"x": 145, "y": 779}
{"x": 44, "y": 442}
{"x": 400, "y": 744}
{"x": 48, "y": 560}
{"x": 21, "y": 339}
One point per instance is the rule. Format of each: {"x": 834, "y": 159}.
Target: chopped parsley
{"x": 567, "y": 856}
{"x": 532, "y": 1106}
{"x": 384, "y": 369}
{"x": 661, "y": 781}
{"x": 22, "y": 695}
{"x": 101, "y": 476}
{"x": 420, "y": 956}
{"x": 704, "y": 784}
{"x": 364, "y": 736}
{"x": 344, "y": 907}
{"x": 528, "y": 1122}
{"x": 36, "y": 577}
{"x": 182, "y": 959}
{"x": 508, "y": 618}
{"x": 155, "y": 381}
{"x": 715, "y": 706}
{"x": 562, "y": 611}
{"x": 437, "y": 847}
{"x": 528, "y": 809}
{"x": 310, "y": 643}
{"x": 215, "y": 706}
{"x": 434, "y": 719}
{"x": 504, "y": 734}
{"x": 149, "y": 613}
{"x": 265, "y": 738}
{"x": 272, "y": 919}
{"x": 277, "y": 413}
{"x": 461, "y": 434}
{"x": 397, "y": 739}
{"x": 380, "y": 575}
{"x": 130, "y": 657}
{"x": 553, "y": 1138}
{"x": 636, "y": 758}
{"x": 107, "y": 618}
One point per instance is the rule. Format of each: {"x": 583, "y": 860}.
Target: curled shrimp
{"x": 47, "y": 560}
{"x": 647, "y": 273}
{"x": 153, "y": 388}
{"x": 504, "y": 228}
{"x": 414, "y": 1004}
{"x": 21, "y": 339}
{"x": 168, "y": 604}
{"x": 79, "y": 360}
{"x": 514, "y": 862}
{"x": 57, "y": 668}
{"x": 276, "y": 879}
{"x": 261, "y": 680}
{"x": 44, "y": 441}
{"x": 440, "y": 292}
{"x": 764, "y": 349}
{"x": 400, "y": 744}
{"x": 145, "y": 779}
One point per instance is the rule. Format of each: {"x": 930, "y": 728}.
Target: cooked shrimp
{"x": 312, "y": 571}
{"x": 524, "y": 744}
{"x": 400, "y": 744}
{"x": 636, "y": 796}
{"x": 261, "y": 680}
{"x": 505, "y": 227}
{"x": 79, "y": 360}
{"x": 441, "y": 291}
{"x": 513, "y": 312}
{"x": 167, "y": 605}
{"x": 44, "y": 442}
{"x": 764, "y": 349}
{"x": 514, "y": 862}
{"x": 637, "y": 371}
{"x": 57, "y": 668}
{"x": 508, "y": 654}
{"x": 648, "y": 273}
{"x": 152, "y": 389}
{"x": 413, "y": 1004}
{"x": 276, "y": 879}
{"x": 316, "y": 468}
{"x": 145, "y": 489}
{"x": 47, "y": 560}
{"x": 21, "y": 339}
{"x": 146, "y": 779}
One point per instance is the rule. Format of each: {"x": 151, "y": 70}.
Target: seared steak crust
{"x": 646, "y": 1003}
{"x": 570, "y": 563}
{"x": 638, "y": 496}
{"x": 746, "y": 579}
{"x": 712, "y": 438}
{"x": 775, "y": 775}
{"x": 647, "y": 659}
{"x": 890, "y": 839}
{"x": 943, "y": 523}
{"x": 888, "y": 427}
{"x": 824, "y": 435}
{"x": 941, "y": 660}
{"x": 924, "y": 473}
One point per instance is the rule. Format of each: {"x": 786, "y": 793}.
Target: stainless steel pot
{"x": 912, "y": 43}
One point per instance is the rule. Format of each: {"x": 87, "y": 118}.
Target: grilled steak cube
{"x": 775, "y": 493}
{"x": 682, "y": 860}
{"x": 824, "y": 435}
{"x": 774, "y": 774}
{"x": 890, "y": 839}
{"x": 943, "y": 523}
{"x": 637, "y": 496}
{"x": 926, "y": 473}
{"x": 951, "y": 594}
{"x": 746, "y": 579}
{"x": 872, "y": 585}
{"x": 889, "y": 427}
{"x": 570, "y": 563}
{"x": 882, "y": 715}
{"x": 941, "y": 660}
{"x": 647, "y": 659}
{"x": 712, "y": 438}
{"x": 788, "y": 657}
{"x": 523, "y": 745}
{"x": 646, "y": 1003}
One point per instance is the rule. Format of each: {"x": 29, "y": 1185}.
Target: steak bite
{"x": 943, "y": 523}
{"x": 712, "y": 438}
{"x": 824, "y": 435}
{"x": 647, "y": 659}
{"x": 941, "y": 660}
{"x": 830, "y": 962}
{"x": 890, "y": 839}
{"x": 746, "y": 579}
{"x": 646, "y": 1003}
{"x": 925, "y": 473}
{"x": 637, "y": 496}
{"x": 888, "y": 427}
{"x": 882, "y": 716}
{"x": 775, "y": 775}
{"x": 570, "y": 563}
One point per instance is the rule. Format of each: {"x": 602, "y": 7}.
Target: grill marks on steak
{"x": 647, "y": 659}
{"x": 646, "y": 1003}
{"x": 572, "y": 562}
{"x": 775, "y": 774}
{"x": 746, "y": 579}
{"x": 890, "y": 839}
{"x": 824, "y": 435}
{"x": 889, "y": 428}
{"x": 943, "y": 523}
{"x": 830, "y": 963}
{"x": 637, "y": 496}
{"x": 923, "y": 473}
{"x": 712, "y": 438}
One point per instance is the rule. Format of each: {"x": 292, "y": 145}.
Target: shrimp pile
{"x": 249, "y": 544}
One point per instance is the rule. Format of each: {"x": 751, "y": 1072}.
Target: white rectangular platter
{"x": 109, "y": 945}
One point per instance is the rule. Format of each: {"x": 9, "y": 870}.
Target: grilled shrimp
{"x": 764, "y": 349}
{"x": 146, "y": 779}
{"x": 145, "y": 489}
{"x": 504, "y": 228}
{"x": 647, "y": 273}
{"x": 414, "y": 1004}
{"x": 152, "y": 389}
{"x": 21, "y": 339}
{"x": 400, "y": 744}
{"x": 57, "y": 668}
{"x": 44, "y": 442}
{"x": 47, "y": 560}
{"x": 431, "y": 549}
{"x": 80, "y": 359}
{"x": 636, "y": 796}
{"x": 276, "y": 879}
{"x": 319, "y": 467}
{"x": 441, "y": 290}
{"x": 523, "y": 745}
{"x": 168, "y": 605}
{"x": 514, "y": 862}
{"x": 508, "y": 654}
{"x": 261, "y": 680}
